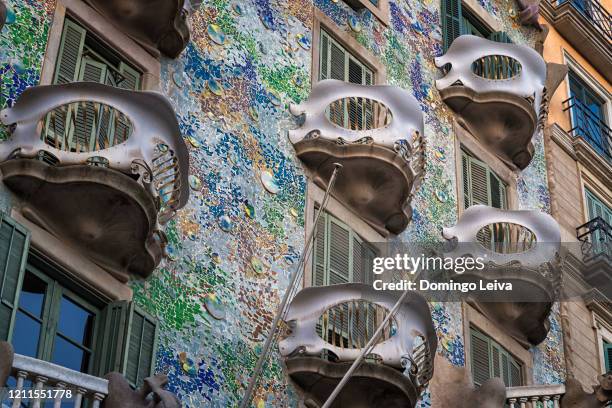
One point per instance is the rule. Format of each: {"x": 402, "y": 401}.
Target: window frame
{"x": 479, "y": 17}
{"x": 464, "y": 140}
{"x": 104, "y": 31}
{"x": 323, "y": 22}
{"x": 314, "y": 196}
{"x": 57, "y": 288}
{"x": 472, "y": 317}
{"x": 490, "y": 172}
{"x": 492, "y": 344}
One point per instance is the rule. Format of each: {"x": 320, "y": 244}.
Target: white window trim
{"x": 95, "y": 23}
{"x": 314, "y": 196}
{"x": 604, "y": 333}
{"x": 592, "y": 83}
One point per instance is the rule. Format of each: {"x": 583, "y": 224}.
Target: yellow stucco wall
{"x": 554, "y": 48}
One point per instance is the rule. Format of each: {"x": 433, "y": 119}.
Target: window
{"x": 456, "y": 21}
{"x": 340, "y": 255}
{"x": 587, "y": 113}
{"x": 490, "y": 360}
{"x": 54, "y": 324}
{"x": 607, "y": 351}
{"x": 48, "y": 316}
{"x": 84, "y": 58}
{"x": 335, "y": 62}
{"x": 597, "y": 208}
{"x": 480, "y": 184}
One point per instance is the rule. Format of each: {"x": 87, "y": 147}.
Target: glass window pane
{"x": 32, "y": 295}
{"x": 75, "y": 322}
{"x": 26, "y": 335}
{"x": 68, "y": 355}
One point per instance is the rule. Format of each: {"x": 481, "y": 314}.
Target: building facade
{"x": 164, "y": 163}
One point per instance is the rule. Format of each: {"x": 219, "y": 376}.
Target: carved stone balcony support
{"x": 99, "y": 167}
{"x": 327, "y": 329}
{"x": 510, "y": 85}
{"x": 376, "y": 133}
{"x": 159, "y": 25}
{"x": 521, "y": 248}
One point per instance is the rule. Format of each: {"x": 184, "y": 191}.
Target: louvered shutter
{"x": 496, "y": 368}
{"x": 70, "y": 53}
{"x": 14, "y": 245}
{"x": 498, "y": 191}
{"x": 318, "y": 272}
{"x": 505, "y": 365}
{"x": 501, "y": 37}
{"x": 481, "y": 357}
{"x": 112, "y": 338}
{"x": 339, "y": 253}
{"x": 358, "y": 266}
{"x": 608, "y": 356}
{"x": 451, "y": 21}
{"x": 141, "y": 348}
{"x": 66, "y": 71}
{"x": 85, "y": 127}
{"x": 121, "y": 125}
{"x": 324, "y": 56}
{"x": 516, "y": 380}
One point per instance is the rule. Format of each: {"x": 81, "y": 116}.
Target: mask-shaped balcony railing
{"x": 590, "y": 127}
{"x": 521, "y": 248}
{"x": 508, "y": 84}
{"x": 159, "y": 25}
{"x": 111, "y": 166}
{"x": 376, "y": 133}
{"x": 328, "y": 326}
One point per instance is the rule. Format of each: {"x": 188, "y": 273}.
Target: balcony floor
{"x": 372, "y": 385}
{"x": 109, "y": 217}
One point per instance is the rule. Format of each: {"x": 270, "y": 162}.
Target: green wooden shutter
{"x": 127, "y": 343}
{"x": 339, "y": 250}
{"x": 70, "y": 53}
{"x": 608, "y": 356}
{"x": 500, "y": 36}
{"x": 131, "y": 77}
{"x": 481, "y": 357}
{"x": 324, "y": 56}
{"x": 480, "y": 184}
{"x": 139, "y": 360}
{"x": 14, "y": 244}
{"x": 319, "y": 262}
{"x": 357, "y": 262}
{"x": 84, "y": 128}
{"x": 516, "y": 380}
{"x": 451, "y": 21}
{"x": 112, "y": 334}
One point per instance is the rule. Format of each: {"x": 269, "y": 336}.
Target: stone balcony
{"x": 159, "y": 25}
{"x": 510, "y": 85}
{"x": 327, "y": 328}
{"x": 70, "y": 388}
{"x": 521, "y": 248}
{"x": 98, "y": 167}
{"x": 376, "y": 133}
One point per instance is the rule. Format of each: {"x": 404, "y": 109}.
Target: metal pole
{"x": 363, "y": 353}
{"x": 266, "y": 348}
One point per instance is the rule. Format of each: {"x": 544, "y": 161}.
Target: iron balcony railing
{"x": 596, "y": 238}
{"x": 590, "y": 127}
{"x": 593, "y": 11}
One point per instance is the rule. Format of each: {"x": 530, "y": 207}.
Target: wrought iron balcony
{"x": 159, "y": 26}
{"x": 100, "y": 167}
{"x": 69, "y": 388}
{"x": 596, "y": 245}
{"x": 328, "y": 326}
{"x": 376, "y": 133}
{"x": 521, "y": 248}
{"x": 587, "y": 125}
{"x": 508, "y": 84}
{"x": 587, "y": 25}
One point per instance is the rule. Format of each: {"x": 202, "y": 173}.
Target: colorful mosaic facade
{"x": 235, "y": 243}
